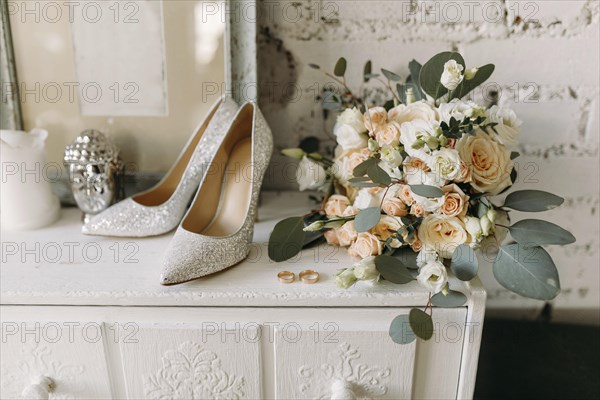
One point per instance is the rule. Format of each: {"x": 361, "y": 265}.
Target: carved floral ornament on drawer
{"x": 192, "y": 372}
{"x": 364, "y": 380}
{"x": 37, "y": 360}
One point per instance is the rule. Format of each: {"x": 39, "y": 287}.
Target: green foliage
{"x": 378, "y": 175}
{"x": 391, "y": 75}
{"x": 400, "y": 331}
{"x": 392, "y": 269}
{"x": 466, "y": 86}
{"x": 527, "y": 271}
{"x": 532, "y": 201}
{"x": 421, "y": 323}
{"x": 287, "y": 239}
{"x": 464, "y": 263}
{"x": 451, "y": 300}
{"x": 367, "y": 219}
{"x": 407, "y": 256}
{"x": 535, "y": 232}
{"x": 367, "y": 72}
{"x": 427, "y": 191}
{"x": 340, "y": 67}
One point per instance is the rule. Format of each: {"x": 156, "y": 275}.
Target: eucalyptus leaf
{"x": 421, "y": 323}
{"x": 362, "y": 168}
{"x": 464, "y": 263}
{"x": 431, "y": 73}
{"x": 367, "y": 219}
{"x": 390, "y": 75}
{"x": 527, "y": 271}
{"x": 532, "y": 201}
{"x": 427, "y": 191}
{"x": 466, "y": 86}
{"x": 392, "y": 269}
{"x": 535, "y": 232}
{"x": 514, "y": 155}
{"x": 378, "y": 175}
{"x": 400, "y": 330}
{"x": 340, "y": 67}
{"x": 407, "y": 256}
{"x": 367, "y": 185}
{"x": 331, "y": 101}
{"x": 314, "y": 66}
{"x": 415, "y": 70}
{"x": 451, "y": 300}
{"x": 287, "y": 239}
{"x": 367, "y": 71}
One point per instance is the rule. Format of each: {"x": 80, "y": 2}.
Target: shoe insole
{"x": 236, "y": 192}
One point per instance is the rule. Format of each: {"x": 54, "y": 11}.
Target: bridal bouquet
{"x": 409, "y": 190}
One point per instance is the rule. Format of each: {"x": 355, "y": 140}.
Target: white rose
{"x": 460, "y": 109}
{"x": 365, "y": 198}
{"x": 365, "y": 269}
{"x": 391, "y": 156}
{"x": 425, "y": 256}
{"x": 452, "y": 75}
{"x": 345, "y": 278}
{"x": 473, "y": 227}
{"x": 442, "y": 233}
{"x": 310, "y": 175}
{"x": 433, "y": 276}
{"x": 415, "y": 134}
{"x": 348, "y": 137}
{"x": 508, "y": 125}
{"x": 354, "y": 118}
{"x": 407, "y": 113}
{"x": 445, "y": 163}
{"x": 488, "y": 161}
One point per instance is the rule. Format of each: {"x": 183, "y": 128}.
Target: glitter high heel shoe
{"x": 160, "y": 209}
{"x": 217, "y": 230}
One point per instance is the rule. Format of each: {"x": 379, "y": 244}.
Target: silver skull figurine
{"x": 94, "y": 170}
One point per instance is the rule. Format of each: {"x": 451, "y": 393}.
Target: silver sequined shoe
{"x": 217, "y": 230}
{"x": 160, "y": 209}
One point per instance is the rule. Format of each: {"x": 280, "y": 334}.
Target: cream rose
{"x": 346, "y": 235}
{"x": 346, "y": 161}
{"x": 488, "y": 161}
{"x": 336, "y": 205}
{"x": 366, "y": 245}
{"x": 405, "y": 195}
{"x": 375, "y": 118}
{"x": 508, "y": 125}
{"x": 386, "y": 224}
{"x": 452, "y": 75}
{"x": 310, "y": 175}
{"x": 456, "y": 202}
{"x": 442, "y": 233}
{"x": 417, "y": 210}
{"x": 388, "y": 134}
{"x": 395, "y": 207}
{"x": 419, "y": 110}
{"x": 433, "y": 276}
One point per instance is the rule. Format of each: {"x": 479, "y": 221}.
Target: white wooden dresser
{"x": 88, "y": 317}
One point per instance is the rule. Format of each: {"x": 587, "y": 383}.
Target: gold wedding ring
{"x": 309, "y": 276}
{"x": 286, "y": 277}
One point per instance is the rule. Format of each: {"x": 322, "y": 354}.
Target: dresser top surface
{"x": 59, "y": 265}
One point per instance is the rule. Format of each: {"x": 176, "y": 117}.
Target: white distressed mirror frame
{"x": 240, "y": 58}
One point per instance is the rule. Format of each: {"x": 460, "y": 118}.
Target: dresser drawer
{"x": 236, "y": 353}
{"x": 65, "y": 357}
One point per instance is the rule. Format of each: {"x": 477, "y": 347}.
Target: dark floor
{"x": 538, "y": 360}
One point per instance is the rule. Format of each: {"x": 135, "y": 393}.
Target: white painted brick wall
{"x": 547, "y": 59}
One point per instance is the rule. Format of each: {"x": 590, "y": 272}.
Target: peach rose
{"x": 387, "y": 226}
{"x": 388, "y": 134}
{"x": 394, "y": 206}
{"x": 465, "y": 173}
{"x": 355, "y": 159}
{"x": 416, "y": 245}
{"x": 366, "y": 245}
{"x": 455, "y": 201}
{"x": 405, "y": 195}
{"x": 331, "y": 237}
{"x": 375, "y": 118}
{"x": 418, "y": 110}
{"x": 417, "y": 210}
{"x": 350, "y": 211}
{"x": 347, "y": 234}
{"x": 489, "y": 162}
{"x": 336, "y": 205}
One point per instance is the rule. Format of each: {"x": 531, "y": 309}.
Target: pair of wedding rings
{"x": 307, "y": 276}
